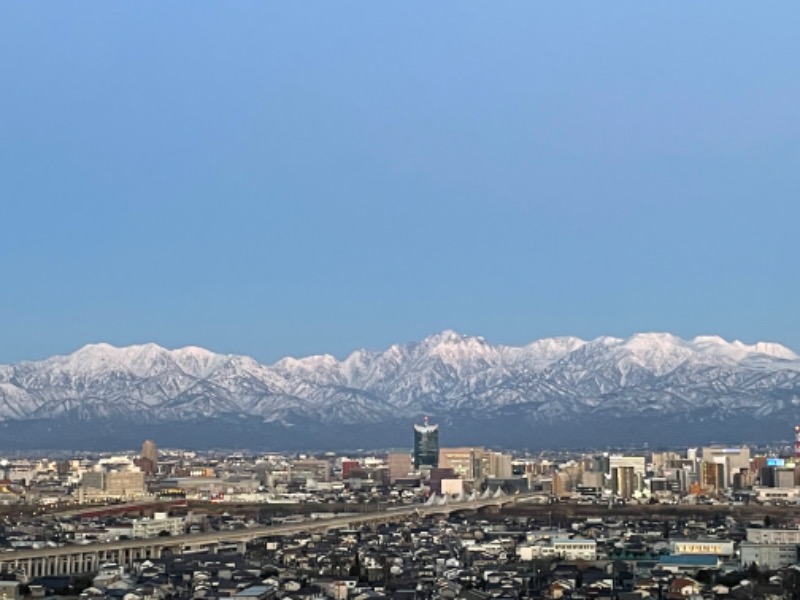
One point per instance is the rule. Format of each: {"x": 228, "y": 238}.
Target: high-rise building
{"x": 497, "y": 465}
{"x": 426, "y": 445}
{"x": 125, "y": 484}
{"x": 399, "y": 464}
{"x": 113, "y": 484}
{"x": 713, "y": 475}
{"x": 733, "y": 460}
{"x": 664, "y": 460}
{"x": 624, "y": 481}
{"x": 797, "y": 442}
{"x": 626, "y": 474}
{"x": 784, "y": 477}
{"x": 148, "y": 460}
{"x": 310, "y": 468}
{"x": 466, "y": 462}
{"x": 349, "y": 467}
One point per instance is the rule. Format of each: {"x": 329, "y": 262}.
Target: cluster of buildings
{"x": 715, "y": 471}
{"x": 482, "y": 557}
{"x": 506, "y": 555}
{"x": 736, "y": 474}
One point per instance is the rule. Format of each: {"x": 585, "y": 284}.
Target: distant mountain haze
{"x": 557, "y": 392}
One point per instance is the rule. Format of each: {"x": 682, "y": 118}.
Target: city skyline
{"x": 106, "y": 523}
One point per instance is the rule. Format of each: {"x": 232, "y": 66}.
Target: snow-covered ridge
{"x": 549, "y": 378}
{"x": 448, "y": 345}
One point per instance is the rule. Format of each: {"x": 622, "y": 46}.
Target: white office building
{"x": 566, "y": 548}
{"x": 160, "y": 523}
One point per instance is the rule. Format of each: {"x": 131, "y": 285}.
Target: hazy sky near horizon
{"x": 289, "y": 178}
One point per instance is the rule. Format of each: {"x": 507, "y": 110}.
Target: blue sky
{"x": 292, "y": 178}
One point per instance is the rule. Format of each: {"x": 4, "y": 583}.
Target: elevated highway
{"x": 77, "y": 559}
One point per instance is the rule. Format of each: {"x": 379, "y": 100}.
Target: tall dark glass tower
{"x": 426, "y": 445}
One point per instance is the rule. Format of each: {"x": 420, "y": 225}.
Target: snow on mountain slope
{"x": 447, "y": 373}
{"x": 737, "y": 351}
{"x": 541, "y": 353}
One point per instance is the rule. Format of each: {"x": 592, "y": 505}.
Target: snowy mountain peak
{"x": 542, "y": 353}
{"x": 139, "y": 360}
{"x": 446, "y": 374}
{"x": 709, "y": 340}
{"x": 197, "y": 361}
{"x": 450, "y": 337}
{"x": 738, "y": 350}
{"x": 653, "y": 338}
{"x": 313, "y": 362}
{"x": 101, "y": 357}
{"x": 776, "y": 350}
{"x": 103, "y": 350}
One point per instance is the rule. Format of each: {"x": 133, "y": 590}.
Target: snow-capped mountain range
{"x": 652, "y": 377}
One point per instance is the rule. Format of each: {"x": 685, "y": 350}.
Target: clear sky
{"x": 288, "y": 178}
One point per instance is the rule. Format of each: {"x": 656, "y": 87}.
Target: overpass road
{"x": 86, "y": 558}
